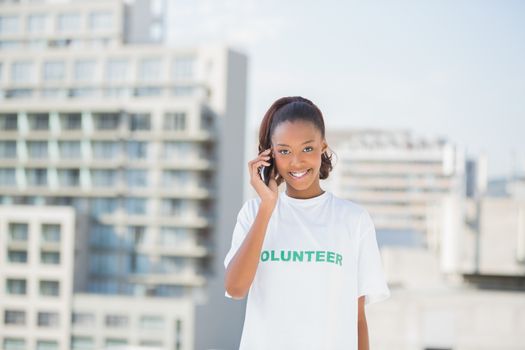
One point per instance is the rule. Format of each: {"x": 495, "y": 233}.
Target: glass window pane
{"x": 15, "y": 317}
{"x": 36, "y": 23}
{"x": 100, "y": 21}
{"x": 18, "y": 232}
{"x": 46, "y": 345}
{"x": 8, "y": 149}
{"x": 9, "y": 24}
{"x": 70, "y": 149}
{"x": 7, "y": 177}
{"x": 50, "y": 288}
{"x": 22, "y": 72}
{"x": 85, "y": 70}
{"x": 149, "y": 69}
{"x": 36, "y": 177}
{"x": 68, "y": 22}
{"x": 16, "y": 286}
{"x": 103, "y": 177}
{"x": 51, "y": 232}
{"x": 53, "y": 71}
{"x": 48, "y": 319}
{"x": 183, "y": 68}
{"x": 116, "y": 69}
{"x": 14, "y": 344}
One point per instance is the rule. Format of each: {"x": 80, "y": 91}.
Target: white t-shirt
{"x": 319, "y": 255}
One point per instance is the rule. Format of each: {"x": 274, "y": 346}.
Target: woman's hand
{"x": 268, "y": 194}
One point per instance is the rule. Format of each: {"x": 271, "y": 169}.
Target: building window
{"x": 46, "y": 345}
{"x": 8, "y": 149}
{"x": 103, "y": 264}
{"x": 37, "y": 149}
{"x": 17, "y": 256}
{"x": 50, "y": 258}
{"x": 68, "y": 22}
{"x": 183, "y": 68}
{"x": 85, "y": 70}
{"x": 15, "y": 317}
{"x": 154, "y": 344}
{"x": 136, "y": 235}
{"x": 70, "y": 149}
{"x": 136, "y": 178}
{"x": 82, "y": 343}
{"x": 150, "y": 69}
{"x": 112, "y": 343}
{"x": 53, "y": 71}
{"x": 176, "y": 179}
{"x": 177, "y": 150}
{"x": 22, "y": 72}
{"x": 107, "y": 121}
{"x": 136, "y": 206}
{"x": 100, "y": 21}
{"x": 117, "y": 321}
{"x": 151, "y": 322}
{"x": 48, "y": 319}
{"x": 16, "y": 286}
{"x": 36, "y": 23}
{"x": 39, "y": 121}
{"x": 116, "y": 70}
{"x": 18, "y": 232}
{"x": 83, "y": 319}
{"x": 69, "y": 177}
{"x": 103, "y": 177}
{"x": 147, "y": 91}
{"x": 139, "y": 263}
{"x": 169, "y": 290}
{"x": 9, "y": 25}
{"x": 139, "y": 122}
{"x": 103, "y": 206}
{"x": 50, "y": 288}
{"x": 175, "y": 121}
{"x": 7, "y": 177}
{"x": 14, "y": 344}
{"x": 174, "y": 236}
{"x": 105, "y": 149}
{"x": 36, "y": 177}
{"x": 51, "y": 233}
{"x": 137, "y": 149}
{"x": 8, "y": 122}
{"x": 172, "y": 207}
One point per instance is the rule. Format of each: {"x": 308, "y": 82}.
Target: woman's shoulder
{"x": 348, "y": 204}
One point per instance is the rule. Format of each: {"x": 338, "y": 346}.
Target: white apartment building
{"x": 396, "y": 176}
{"x": 142, "y": 140}
{"x": 36, "y": 255}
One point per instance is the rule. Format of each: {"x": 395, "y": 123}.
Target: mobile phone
{"x": 266, "y": 171}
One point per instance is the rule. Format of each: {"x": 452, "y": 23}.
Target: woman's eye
{"x": 283, "y": 150}
{"x": 310, "y": 148}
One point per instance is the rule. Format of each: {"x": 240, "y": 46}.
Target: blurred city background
{"x": 125, "y": 131}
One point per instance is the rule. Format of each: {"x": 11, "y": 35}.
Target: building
{"x": 396, "y": 176}
{"x": 140, "y": 139}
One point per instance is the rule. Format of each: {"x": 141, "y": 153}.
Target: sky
{"x": 440, "y": 68}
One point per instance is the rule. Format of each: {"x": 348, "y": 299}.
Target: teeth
{"x": 299, "y": 174}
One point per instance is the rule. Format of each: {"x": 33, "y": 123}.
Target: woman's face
{"x": 297, "y": 149}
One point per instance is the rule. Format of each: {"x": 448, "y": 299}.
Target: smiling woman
{"x": 308, "y": 260}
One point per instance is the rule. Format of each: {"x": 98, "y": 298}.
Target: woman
{"x": 307, "y": 260}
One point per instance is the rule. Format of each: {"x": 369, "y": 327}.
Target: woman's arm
{"x": 362, "y": 328}
{"x": 241, "y": 269}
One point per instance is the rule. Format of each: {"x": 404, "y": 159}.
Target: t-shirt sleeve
{"x": 371, "y": 277}
{"x": 244, "y": 222}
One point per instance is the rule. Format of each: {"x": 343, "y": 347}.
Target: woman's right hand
{"x": 268, "y": 194}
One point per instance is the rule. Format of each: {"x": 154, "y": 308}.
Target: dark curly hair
{"x": 294, "y": 108}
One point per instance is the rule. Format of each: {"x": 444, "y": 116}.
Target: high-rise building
{"x": 143, "y": 141}
{"x": 396, "y": 176}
